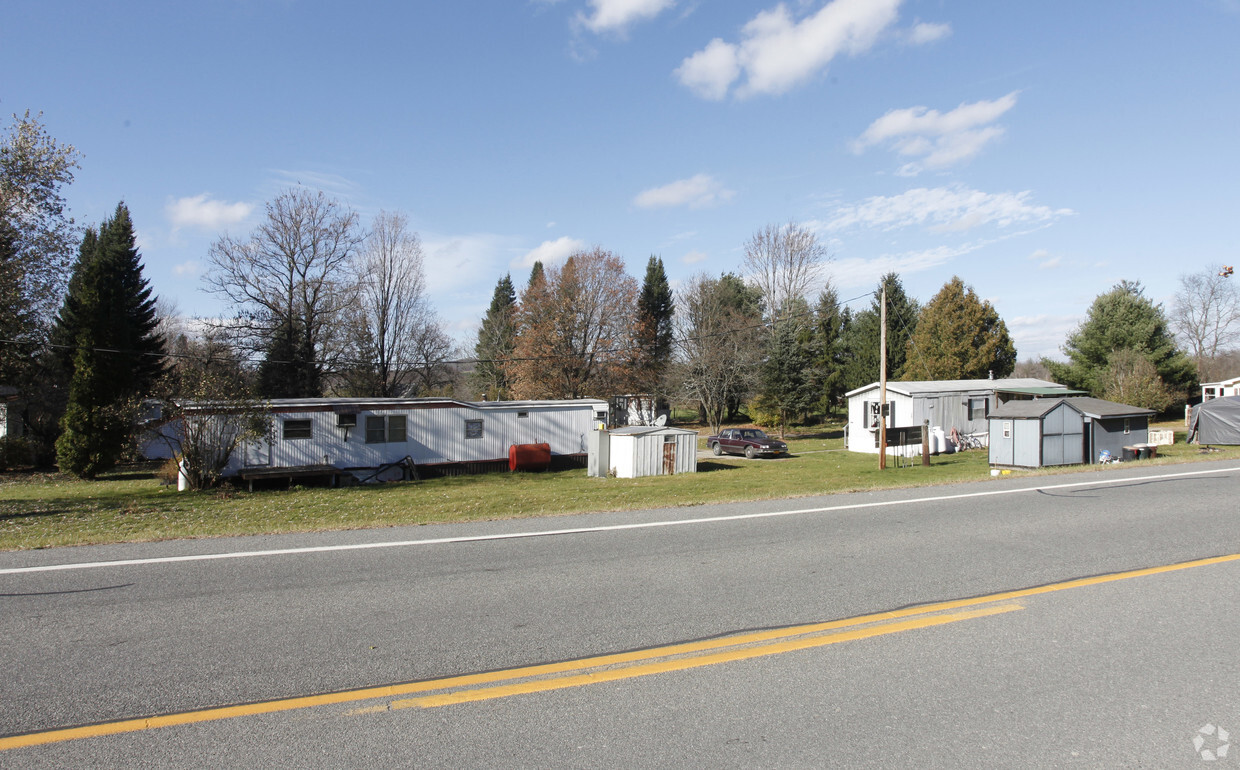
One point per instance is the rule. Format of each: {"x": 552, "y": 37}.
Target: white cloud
{"x": 1044, "y": 259}
{"x": 928, "y": 33}
{"x": 857, "y": 272}
{"x": 617, "y": 15}
{"x": 696, "y": 192}
{"x": 1038, "y": 336}
{"x": 206, "y": 214}
{"x": 693, "y": 257}
{"x": 777, "y": 52}
{"x": 335, "y": 185}
{"x": 190, "y": 268}
{"x": 550, "y": 252}
{"x": 939, "y": 139}
{"x": 944, "y": 209}
{"x": 462, "y": 263}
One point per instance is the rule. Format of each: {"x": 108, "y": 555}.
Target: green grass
{"x": 47, "y": 510}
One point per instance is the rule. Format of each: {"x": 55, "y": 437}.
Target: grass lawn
{"x": 47, "y": 510}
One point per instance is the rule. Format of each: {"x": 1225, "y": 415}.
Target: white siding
{"x": 434, "y": 433}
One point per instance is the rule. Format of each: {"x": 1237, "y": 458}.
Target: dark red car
{"x": 750, "y": 442}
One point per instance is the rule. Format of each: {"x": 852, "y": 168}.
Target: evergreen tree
{"x": 1123, "y": 319}
{"x": 497, "y": 337}
{"x": 959, "y": 336}
{"x": 655, "y": 309}
{"x": 862, "y": 339}
{"x": 288, "y": 369}
{"x": 830, "y": 322}
{"x": 117, "y": 354}
{"x": 536, "y": 275}
{"x": 788, "y": 386}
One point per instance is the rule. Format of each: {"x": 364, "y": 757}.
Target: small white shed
{"x": 652, "y": 451}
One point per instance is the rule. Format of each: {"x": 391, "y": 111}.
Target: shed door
{"x": 669, "y": 455}
{"x": 1062, "y": 438}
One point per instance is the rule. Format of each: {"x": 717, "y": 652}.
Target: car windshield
{"x": 753, "y": 435}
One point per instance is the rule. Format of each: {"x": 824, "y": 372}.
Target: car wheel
{"x": 750, "y": 453}
{"x": 715, "y": 448}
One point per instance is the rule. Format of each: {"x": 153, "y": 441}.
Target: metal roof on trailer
{"x": 924, "y": 387}
{"x": 371, "y": 404}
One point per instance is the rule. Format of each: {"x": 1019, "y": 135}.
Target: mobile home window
{"x": 473, "y": 429}
{"x": 1127, "y": 426}
{"x": 522, "y": 415}
{"x": 388, "y": 429}
{"x": 296, "y": 429}
{"x": 977, "y": 408}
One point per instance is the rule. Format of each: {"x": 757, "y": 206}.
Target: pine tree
{"x": 1123, "y": 319}
{"x": 959, "y": 337}
{"x": 288, "y": 369}
{"x": 117, "y": 355}
{"x": 864, "y": 333}
{"x": 497, "y": 337}
{"x": 830, "y": 325}
{"x": 655, "y": 309}
{"x": 536, "y": 275}
{"x": 788, "y": 386}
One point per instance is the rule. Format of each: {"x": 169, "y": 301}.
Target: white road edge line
{"x": 589, "y": 530}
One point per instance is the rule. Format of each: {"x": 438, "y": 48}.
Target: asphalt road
{"x": 1121, "y": 671}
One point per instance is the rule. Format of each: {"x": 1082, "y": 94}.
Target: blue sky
{"x": 1040, "y": 151}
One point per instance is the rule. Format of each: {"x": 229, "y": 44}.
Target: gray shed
{"x": 1063, "y": 431}
{"x": 1216, "y": 421}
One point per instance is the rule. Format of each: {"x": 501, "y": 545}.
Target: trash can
{"x": 1143, "y": 452}
{"x": 1130, "y": 453}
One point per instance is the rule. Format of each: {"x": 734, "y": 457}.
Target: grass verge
{"x": 49, "y": 510}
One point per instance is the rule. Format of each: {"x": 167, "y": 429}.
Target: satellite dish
{"x": 661, "y": 420}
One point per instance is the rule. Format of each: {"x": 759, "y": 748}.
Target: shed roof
{"x": 642, "y": 430}
{"x": 1090, "y": 407}
{"x": 925, "y": 387}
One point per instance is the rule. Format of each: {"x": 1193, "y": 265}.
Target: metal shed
{"x": 1063, "y": 431}
{"x": 652, "y": 451}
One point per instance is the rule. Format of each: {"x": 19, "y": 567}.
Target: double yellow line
{"x": 606, "y": 668}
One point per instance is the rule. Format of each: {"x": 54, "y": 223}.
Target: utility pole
{"x": 882, "y": 381}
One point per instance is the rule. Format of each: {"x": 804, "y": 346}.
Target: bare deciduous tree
{"x": 719, "y": 339}
{"x": 293, "y": 272}
{"x": 391, "y": 320}
{"x": 1206, "y": 315}
{"x": 783, "y": 262}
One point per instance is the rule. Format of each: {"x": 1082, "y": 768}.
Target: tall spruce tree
{"x": 117, "y": 354}
{"x": 830, "y": 320}
{"x": 788, "y": 386}
{"x": 288, "y": 368}
{"x": 862, "y": 339}
{"x": 655, "y": 309}
{"x": 497, "y": 337}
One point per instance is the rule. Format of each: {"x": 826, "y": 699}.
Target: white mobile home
{"x": 438, "y": 435}
{"x": 947, "y": 404}
{"x": 1220, "y": 389}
